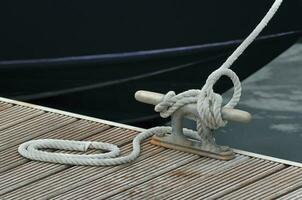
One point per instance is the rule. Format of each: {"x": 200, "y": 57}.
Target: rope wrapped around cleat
{"x": 208, "y": 103}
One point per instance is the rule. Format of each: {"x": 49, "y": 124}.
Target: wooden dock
{"x": 157, "y": 174}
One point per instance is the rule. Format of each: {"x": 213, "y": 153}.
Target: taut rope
{"x": 209, "y": 106}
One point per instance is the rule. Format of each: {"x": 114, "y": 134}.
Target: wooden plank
{"x": 15, "y": 115}
{"x": 294, "y": 195}
{"x": 178, "y": 176}
{"x": 210, "y": 184}
{"x": 220, "y": 184}
{"x": 31, "y": 128}
{"x": 271, "y": 187}
{"x": 182, "y": 178}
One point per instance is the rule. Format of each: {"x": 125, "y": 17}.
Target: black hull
{"x": 53, "y": 71}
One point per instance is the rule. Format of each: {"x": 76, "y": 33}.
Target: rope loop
{"x": 207, "y": 89}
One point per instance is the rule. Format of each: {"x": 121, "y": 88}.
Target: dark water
{"x": 273, "y": 96}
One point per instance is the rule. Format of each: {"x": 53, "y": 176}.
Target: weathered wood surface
{"x": 157, "y": 174}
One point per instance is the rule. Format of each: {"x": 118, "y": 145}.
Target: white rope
{"x": 208, "y": 105}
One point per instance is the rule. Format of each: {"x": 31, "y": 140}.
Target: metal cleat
{"x": 205, "y": 146}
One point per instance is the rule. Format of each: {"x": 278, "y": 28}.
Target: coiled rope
{"x": 209, "y": 106}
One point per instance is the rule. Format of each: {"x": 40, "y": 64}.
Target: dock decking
{"x": 157, "y": 174}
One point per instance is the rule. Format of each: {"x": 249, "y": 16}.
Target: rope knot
{"x": 172, "y": 102}
{"x": 166, "y": 103}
